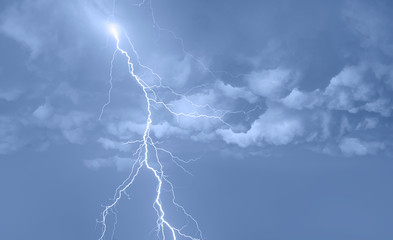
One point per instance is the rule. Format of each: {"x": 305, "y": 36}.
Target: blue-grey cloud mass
{"x": 299, "y": 147}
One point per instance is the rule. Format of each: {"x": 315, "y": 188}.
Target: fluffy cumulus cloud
{"x": 358, "y": 88}
{"x": 43, "y": 112}
{"x": 354, "y": 105}
{"x": 297, "y": 99}
{"x": 275, "y": 99}
{"x": 271, "y": 83}
{"x": 275, "y": 126}
{"x": 360, "y": 92}
{"x": 353, "y": 146}
{"x": 236, "y": 92}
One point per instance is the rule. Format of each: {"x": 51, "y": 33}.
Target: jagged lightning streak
{"x": 146, "y": 144}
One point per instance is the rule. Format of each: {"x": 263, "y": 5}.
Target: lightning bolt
{"x": 148, "y": 148}
{"x": 148, "y": 152}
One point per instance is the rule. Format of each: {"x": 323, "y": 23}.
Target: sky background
{"x": 306, "y": 87}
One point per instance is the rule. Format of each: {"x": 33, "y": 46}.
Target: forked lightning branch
{"x": 147, "y": 153}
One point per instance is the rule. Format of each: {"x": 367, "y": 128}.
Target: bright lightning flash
{"x": 147, "y": 148}
{"x": 113, "y": 29}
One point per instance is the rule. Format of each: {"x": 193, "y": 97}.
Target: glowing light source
{"x": 113, "y": 29}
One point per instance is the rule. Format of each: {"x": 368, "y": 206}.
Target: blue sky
{"x": 288, "y": 118}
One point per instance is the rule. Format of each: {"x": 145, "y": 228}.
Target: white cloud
{"x": 165, "y": 129}
{"x": 353, "y": 146}
{"x": 276, "y": 126}
{"x": 10, "y": 140}
{"x": 382, "y": 106}
{"x": 43, "y": 112}
{"x": 126, "y": 129}
{"x": 111, "y": 144}
{"x": 73, "y": 125}
{"x": 344, "y": 126}
{"x": 10, "y": 95}
{"x": 368, "y": 123}
{"x": 363, "y": 87}
{"x": 272, "y": 83}
{"x": 204, "y": 137}
{"x": 300, "y": 100}
{"x": 348, "y": 87}
{"x": 236, "y": 92}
